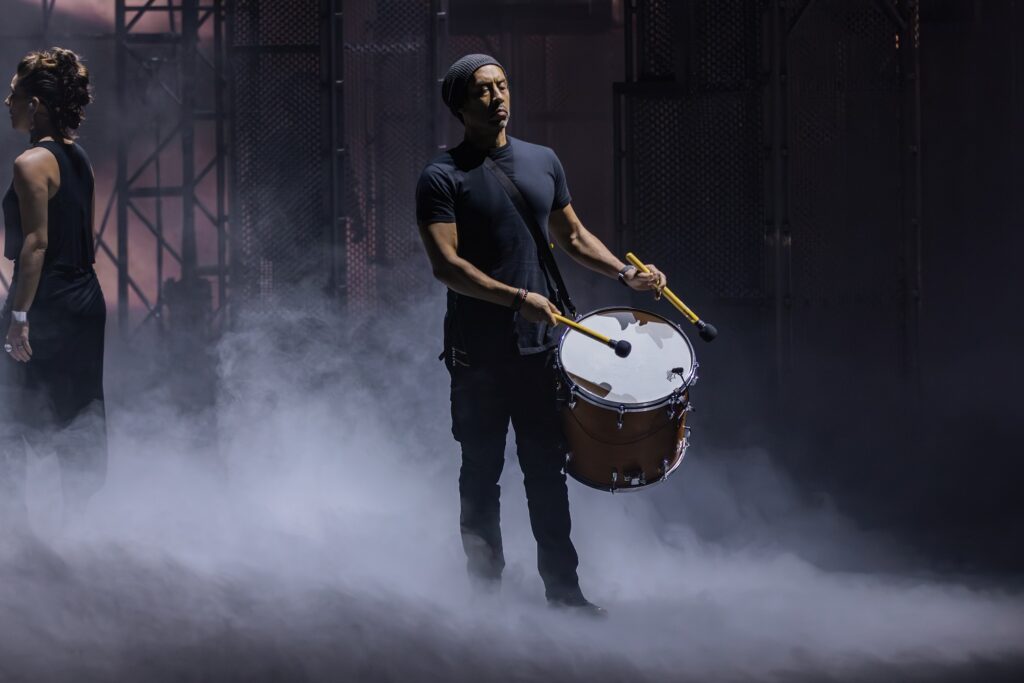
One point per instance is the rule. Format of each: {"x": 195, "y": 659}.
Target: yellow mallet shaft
{"x": 621, "y": 347}
{"x": 673, "y": 299}
{"x": 585, "y": 330}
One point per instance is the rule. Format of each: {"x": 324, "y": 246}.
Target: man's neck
{"x": 487, "y": 140}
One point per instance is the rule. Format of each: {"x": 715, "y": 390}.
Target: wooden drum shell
{"x": 603, "y": 456}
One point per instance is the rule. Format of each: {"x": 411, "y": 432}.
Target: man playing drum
{"x": 499, "y": 326}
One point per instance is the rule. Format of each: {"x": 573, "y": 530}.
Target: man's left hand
{"x": 654, "y": 280}
{"x": 17, "y": 337}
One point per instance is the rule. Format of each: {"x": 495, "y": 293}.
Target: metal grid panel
{"x": 360, "y": 124}
{"x": 277, "y": 22}
{"x": 279, "y": 173}
{"x": 845, "y": 191}
{"x": 388, "y": 136}
{"x": 656, "y": 40}
{"x": 693, "y": 187}
{"x": 532, "y": 75}
{"x": 728, "y": 43}
{"x": 403, "y": 142}
{"x": 844, "y": 154}
{"x": 279, "y": 181}
{"x": 695, "y": 191}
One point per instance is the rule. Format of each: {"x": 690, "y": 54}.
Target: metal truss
{"x": 178, "y": 89}
{"x": 174, "y": 86}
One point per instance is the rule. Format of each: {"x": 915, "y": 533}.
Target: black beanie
{"x": 456, "y": 81}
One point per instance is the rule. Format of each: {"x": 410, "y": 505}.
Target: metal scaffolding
{"x": 170, "y": 82}
{"x": 180, "y": 88}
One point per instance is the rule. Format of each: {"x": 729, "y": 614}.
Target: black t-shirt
{"x": 457, "y": 188}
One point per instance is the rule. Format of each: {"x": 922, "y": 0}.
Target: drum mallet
{"x": 622, "y": 347}
{"x": 707, "y": 331}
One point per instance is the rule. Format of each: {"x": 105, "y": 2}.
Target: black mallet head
{"x": 622, "y": 348}
{"x": 707, "y": 330}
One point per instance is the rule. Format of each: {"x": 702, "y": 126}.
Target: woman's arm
{"x": 34, "y": 174}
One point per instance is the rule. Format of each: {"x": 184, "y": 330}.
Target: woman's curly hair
{"x": 60, "y": 80}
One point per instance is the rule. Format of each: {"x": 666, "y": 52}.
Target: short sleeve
{"x": 435, "y": 197}
{"x": 562, "y": 197}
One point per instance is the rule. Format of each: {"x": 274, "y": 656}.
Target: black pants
{"x": 56, "y": 399}
{"x": 484, "y": 399}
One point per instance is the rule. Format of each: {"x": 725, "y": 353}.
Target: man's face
{"x": 487, "y": 99}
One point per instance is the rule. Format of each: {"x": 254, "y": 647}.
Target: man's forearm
{"x": 463, "y": 277}
{"x": 586, "y": 249}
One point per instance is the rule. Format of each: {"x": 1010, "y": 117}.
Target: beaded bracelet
{"x": 520, "y": 297}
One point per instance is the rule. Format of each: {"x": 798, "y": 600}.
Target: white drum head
{"x": 645, "y": 376}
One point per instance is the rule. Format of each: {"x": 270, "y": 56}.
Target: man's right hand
{"x": 538, "y": 309}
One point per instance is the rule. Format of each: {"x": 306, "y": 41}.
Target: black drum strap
{"x": 547, "y": 259}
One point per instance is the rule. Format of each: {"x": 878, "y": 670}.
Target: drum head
{"x": 645, "y": 376}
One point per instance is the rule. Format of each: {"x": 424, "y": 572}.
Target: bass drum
{"x": 625, "y": 418}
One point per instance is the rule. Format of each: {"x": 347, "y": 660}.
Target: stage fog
{"x": 832, "y": 184}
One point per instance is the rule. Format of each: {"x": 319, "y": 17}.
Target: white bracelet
{"x": 20, "y": 316}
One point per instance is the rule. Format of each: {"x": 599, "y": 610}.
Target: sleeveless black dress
{"x": 62, "y": 385}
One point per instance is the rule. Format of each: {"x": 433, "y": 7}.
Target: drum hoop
{"x": 624, "y": 489}
{"x": 628, "y": 407}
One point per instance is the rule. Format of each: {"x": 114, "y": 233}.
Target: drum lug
{"x": 638, "y": 480}
{"x": 622, "y": 413}
{"x": 693, "y": 380}
{"x": 615, "y": 479}
{"x": 572, "y": 398}
{"x": 664, "y": 469}
{"x": 674, "y": 404}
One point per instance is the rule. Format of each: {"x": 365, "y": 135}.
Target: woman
{"x": 51, "y": 377}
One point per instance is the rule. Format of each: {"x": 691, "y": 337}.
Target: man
{"x": 499, "y": 328}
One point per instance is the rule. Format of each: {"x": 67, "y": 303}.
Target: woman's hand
{"x": 654, "y": 280}
{"x": 17, "y": 338}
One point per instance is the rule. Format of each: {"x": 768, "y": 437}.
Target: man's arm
{"x": 441, "y": 242}
{"x": 585, "y": 248}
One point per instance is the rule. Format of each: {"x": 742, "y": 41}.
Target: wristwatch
{"x": 622, "y": 273}
{"x": 20, "y": 316}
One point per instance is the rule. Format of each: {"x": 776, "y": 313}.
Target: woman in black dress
{"x": 51, "y": 376}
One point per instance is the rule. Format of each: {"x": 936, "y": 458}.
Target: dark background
{"x": 771, "y": 177}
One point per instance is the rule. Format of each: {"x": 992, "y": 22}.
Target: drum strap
{"x": 547, "y": 259}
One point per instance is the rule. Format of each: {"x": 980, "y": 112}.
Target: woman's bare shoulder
{"x": 36, "y": 163}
